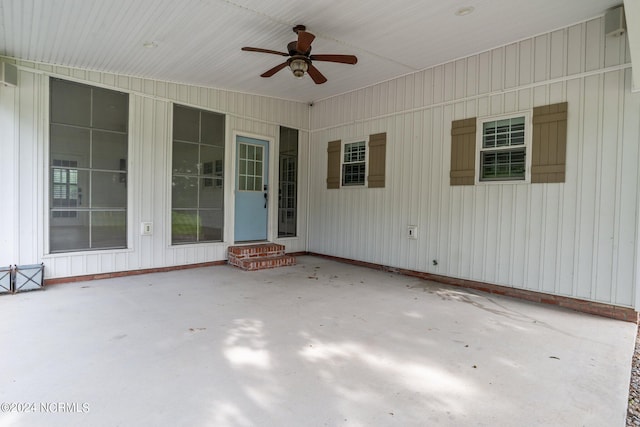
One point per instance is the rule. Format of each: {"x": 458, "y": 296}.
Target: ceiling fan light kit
{"x": 298, "y": 67}
{"x": 300, "y": 58}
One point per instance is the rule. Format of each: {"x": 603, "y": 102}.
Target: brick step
{"x": 257, "y": 250}
{"x": 262, "y": 263}
{"x": 259, "y": 256}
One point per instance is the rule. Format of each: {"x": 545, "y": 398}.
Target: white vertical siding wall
{"x": 24, "y": 138}
{"x": 9, "y": 156}
{"x": 575, "y": 239}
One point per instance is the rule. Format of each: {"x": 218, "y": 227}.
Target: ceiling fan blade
{"x": 257, "y": 49}
{"x": 316, "y": 75}
{"x": 304, "y": 41}
{"x": 343, "y": 59}
{"x": 274, "y": 70}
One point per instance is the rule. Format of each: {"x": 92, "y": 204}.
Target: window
{"x": 503, "y": 149}
{"x": 511, "y": 148}
{"x": 354, "y": 163}
{"x": 88, "y": 145}
{"x": 197, "y": 193}
{"x": 288, "y": 181}
{"x": 348, "y": 164}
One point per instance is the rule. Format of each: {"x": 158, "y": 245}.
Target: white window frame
{"x": 365, "y": 141}
{"x": 527, "y": 146}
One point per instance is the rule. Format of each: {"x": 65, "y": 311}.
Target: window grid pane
{"x": 503, "y": 165}
{"x": 503, "y": 133}
{"x": 353, "y": 174}
{"x": 354, "y": 152}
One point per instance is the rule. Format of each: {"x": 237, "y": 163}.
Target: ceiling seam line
{"x": 321, "y": 35}
{"x": 582, "y": 75}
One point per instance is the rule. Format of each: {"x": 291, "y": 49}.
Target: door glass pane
{"x": 250, "y": 167}
{"x": 108, "y": 229}
{"x": 109, "y": 151}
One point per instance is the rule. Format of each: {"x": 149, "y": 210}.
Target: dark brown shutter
{"x": 377, "y": 155}
{"x": 463, "y": 152}
{"x": 333, "y": 164}
{"x": 549, "y": 143}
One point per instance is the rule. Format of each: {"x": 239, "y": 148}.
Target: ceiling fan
{"x": 300, "y": 58}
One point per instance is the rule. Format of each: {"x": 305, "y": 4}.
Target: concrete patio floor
{"x": 318, "y": 344}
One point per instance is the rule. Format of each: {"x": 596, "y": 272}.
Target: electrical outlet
{"x": 146, "y": 228}
{"x": 412, "y": 232}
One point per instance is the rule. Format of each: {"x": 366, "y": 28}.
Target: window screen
{"x": 88, "y": 137}
{"x": 197, "y": 193}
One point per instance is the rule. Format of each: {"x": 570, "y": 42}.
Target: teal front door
{"x": 251, "y": 192}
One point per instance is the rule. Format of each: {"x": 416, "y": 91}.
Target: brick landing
{"x": 259, "y": 256}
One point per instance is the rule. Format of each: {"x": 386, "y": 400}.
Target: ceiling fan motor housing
{"x": 292, "y": 47}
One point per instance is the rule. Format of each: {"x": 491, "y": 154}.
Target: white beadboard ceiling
{"x": 199, "y": 41}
